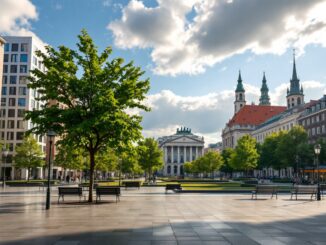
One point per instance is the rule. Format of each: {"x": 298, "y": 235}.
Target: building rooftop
{"x": 255, "y": 114}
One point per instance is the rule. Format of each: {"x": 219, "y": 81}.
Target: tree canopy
{"x": 29, "y": 155}
{"x": 245, "y": 156}
{"x": 150, "y": 156}
{"x": 87, "y": 97}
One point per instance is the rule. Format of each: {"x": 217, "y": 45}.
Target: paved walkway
{"x": 148, "y": 216}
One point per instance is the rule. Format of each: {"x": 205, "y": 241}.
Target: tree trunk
{"x": 91, "y": 175}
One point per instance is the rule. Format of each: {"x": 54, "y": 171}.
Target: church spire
{"x": 294, "y": 72}
{"x": 240, "y": 85}
{"x": 240, "y": 98}
{"x": 295, "y": 95}
{"x": 264, "y": 97}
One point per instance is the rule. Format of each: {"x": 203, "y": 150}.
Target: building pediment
{"x": 185, "y": 140}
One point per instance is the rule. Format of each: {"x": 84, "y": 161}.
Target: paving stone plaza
{"x": 149, "y": 216}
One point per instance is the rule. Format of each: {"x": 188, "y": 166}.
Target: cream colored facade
{"x": 281, "y": 122}
{"x": 180, "y": 148}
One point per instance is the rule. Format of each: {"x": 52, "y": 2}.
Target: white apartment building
{"x": 19, "y": 58}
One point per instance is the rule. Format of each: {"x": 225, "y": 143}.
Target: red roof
{"x": 255, "y": 114}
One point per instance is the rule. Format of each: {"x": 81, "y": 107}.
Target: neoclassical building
{"x": 181, "y": 147}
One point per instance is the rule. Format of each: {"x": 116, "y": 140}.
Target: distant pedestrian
{"x": 68, "y": 178}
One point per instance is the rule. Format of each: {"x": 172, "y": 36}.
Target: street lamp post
{"x": 51, "y": 134}
{"x": 317, "y": 149}
{"x": 5, "y": 154}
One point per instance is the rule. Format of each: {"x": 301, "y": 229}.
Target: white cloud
{"x": 217, "y": 29}
{"x": 16, "y": 18}
{"x": 207, "y": 115}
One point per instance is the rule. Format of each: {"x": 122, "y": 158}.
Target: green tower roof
{"x": 240, "y": 87}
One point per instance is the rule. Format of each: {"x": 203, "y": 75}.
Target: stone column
{"x": 166, "y": 154}
{"x": 190, "y": 153}
{"x": 196, "y": 152}
{"x": 184, "y": 154}
{"x": 178, "y": 157}
{"x": 172, "y": 155}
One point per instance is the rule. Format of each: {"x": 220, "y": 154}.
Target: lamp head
{"x": 51, "y": 134}
{"x": 317, "y": 149}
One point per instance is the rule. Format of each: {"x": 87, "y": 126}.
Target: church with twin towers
{"x": 263, "y": 119}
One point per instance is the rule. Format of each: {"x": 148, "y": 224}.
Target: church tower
{"x": 295, "y": 94}
{"x": 264, "y": 97}
{"x": 240, "y": 100}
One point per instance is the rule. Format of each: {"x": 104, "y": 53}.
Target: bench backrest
{"x": 70, "y": 190}
{"x": 132, "y": 183}
{"x": 306, "y": 188}
{"x": 265, "y": 188}
{"x": 173, "y": 186}
{"x": 108, "y": 190}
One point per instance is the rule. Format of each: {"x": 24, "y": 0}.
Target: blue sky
{"x": 191, "y": 50}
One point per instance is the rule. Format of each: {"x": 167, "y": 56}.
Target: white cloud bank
{"x": 16, "y": 17}
{"x": 186, "y": 36}
{"x": 207, "y": 115}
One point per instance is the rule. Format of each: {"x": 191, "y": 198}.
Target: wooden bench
{"x": 71, "y": 191}
{"x": 265, "y": 189}
{"x": 304, "y": 190}
{"x": 136, "y": 184}
{"x": 173, "y": 187}
{"x": 101, "y": 191}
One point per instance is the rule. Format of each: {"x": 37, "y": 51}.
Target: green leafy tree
{"x": 292, "y": 145}
{"x": 29, "y": 155}
{"x": 188, "y": 167}
{"x": 150, "y": 156}
{"x": 209, "y": 162}
{"x": 107, "y": 160}
{"x": 226, "y": 155}
{"x": 93, "y": 95}
{"x": 129, "y": 163}
{"x": 69, "y": 157}
{"x": 245, "y": 156}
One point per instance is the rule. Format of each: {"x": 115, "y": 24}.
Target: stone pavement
{"x": 148, "y": 216}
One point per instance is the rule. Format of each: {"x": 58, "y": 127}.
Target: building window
{"x": 317, "y": 118}
{"x": 23, "y": 69}
{"x": 3, "y": 113}
{"x": 12, "y": 90}
{"x": 5, "y": 58}
{"x": 4, "y": 91}
{"x": 13, "y": 79}
{"x": 22, "y": 80}
{"x": 12, "y": 102}
{"x": 7, "y": 47}
{"x": 21, "y": 112}
{"x": 34, "y": 61}
{"x": 318, "y": 130}
{"x": 5, "y": 69}
{"x": 24, "y": 47}
{"x": 14, "y": 58}
{"x": 11, "y": 113}
{"x": 2, "y": 124}
{"x": 3, "y": 101}
{"x": 19, "y": 135}
{"x": 23, "y": 58}
{"x": 21, "y": 102}
{"x": 10, "y": 135}
{"x": 4, "y": 79}
{"x": 313, "y": 131}
{"x": 22, "y": 91}
{"x": 323, "y": 129}
{"x": 20, "y": 124}
{"x": 11, "y": 123}
{"x": 13, "y": 68}
{"x": 14, "y": 47}
{"x": 175, "y": 169}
